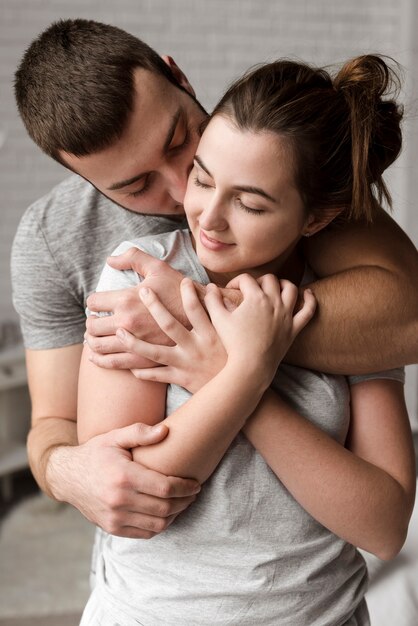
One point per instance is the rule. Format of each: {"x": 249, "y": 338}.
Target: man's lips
{"x": 213, "y": 244}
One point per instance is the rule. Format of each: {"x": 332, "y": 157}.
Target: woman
{"x": 270, "y": 539}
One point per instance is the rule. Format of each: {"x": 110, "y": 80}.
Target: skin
{"x": 116, "y": 500}
{"x": 237, "y": 197}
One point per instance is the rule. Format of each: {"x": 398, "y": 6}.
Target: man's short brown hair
{"x": 75, "y": 85}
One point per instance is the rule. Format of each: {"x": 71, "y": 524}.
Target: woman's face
{"x": 242, "y": 205}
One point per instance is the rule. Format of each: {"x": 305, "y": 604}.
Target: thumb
{"x": 133, "y": 259}
{"x": 139, "y": 435}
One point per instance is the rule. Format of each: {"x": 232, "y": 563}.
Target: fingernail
{"x": 121, "y": 334}
{"x": 144, "y": 292}
{"x": 308, "y": 290}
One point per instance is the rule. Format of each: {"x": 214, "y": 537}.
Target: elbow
{"x": 390, "y": 544}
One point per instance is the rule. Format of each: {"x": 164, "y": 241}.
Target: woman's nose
{"x": 213, "y": 216}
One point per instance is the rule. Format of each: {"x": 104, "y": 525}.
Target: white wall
{"x": 213, "y": 42}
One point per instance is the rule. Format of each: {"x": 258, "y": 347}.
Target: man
{"x": 126, "y": 121}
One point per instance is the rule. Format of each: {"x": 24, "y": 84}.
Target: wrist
{"x": 58, "y": 461}
{"x": 246, "y": 379}
{"x": 248, "y": 372}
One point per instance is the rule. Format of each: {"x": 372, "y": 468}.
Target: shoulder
{"x": 175, "y": 248}
{"x": 65, "y": 204}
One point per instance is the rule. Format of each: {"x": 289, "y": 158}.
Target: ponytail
{"x": 376, "y": 138}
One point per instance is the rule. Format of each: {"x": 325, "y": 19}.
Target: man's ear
{"x": 178, "y": 74}
{"x": 317, "y": 222}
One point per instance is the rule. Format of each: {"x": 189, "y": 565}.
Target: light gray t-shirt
{"x": 245, "y": 552}
{"x": 58, "y": 253}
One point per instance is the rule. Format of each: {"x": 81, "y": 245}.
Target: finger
{"x": 243, "y": 281}
{"x": 135, "y": 259}
{"x": 193, "y": 308}
{"x": 152, "y": 352}
{"x": 142, "y": 526}
{"x": 153, "y": 483}
{"x": 138, "y": 434}
{"x": 164, "y": 374}
{"x": 100, "y": 326}
{"x": 156, "y": 507}
{"x": 119, "y": 361}
{"x": 104, "y": 345}
{"x": 289, "y": 293}
{"x": 305, "y": 314}
{"x": 270, "y": 284}
{"x": 167, "y": 322}
{"x": 103, "y": 301}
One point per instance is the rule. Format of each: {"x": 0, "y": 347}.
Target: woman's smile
{"x": 213, "y": 244}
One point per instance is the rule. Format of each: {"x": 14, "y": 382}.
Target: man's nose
{"x": 176, "y": 178}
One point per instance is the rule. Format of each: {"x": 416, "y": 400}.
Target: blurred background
{"x": 213, "y": 42}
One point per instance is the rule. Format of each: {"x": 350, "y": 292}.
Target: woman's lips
{"x": 213, "y": 244}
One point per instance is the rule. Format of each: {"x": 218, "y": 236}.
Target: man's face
{"x": 146, "y": 169}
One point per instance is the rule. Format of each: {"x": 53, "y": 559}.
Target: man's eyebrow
{"x": 127, "y": 182}
{"x": 246, "y": 188}
{"x": 172, "y": 129}
{"x": 167, "y": 142}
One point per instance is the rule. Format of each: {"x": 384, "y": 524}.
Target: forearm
{"x": 202, "y": 429}
{"x": 353, "y": 498}
{"x": 47, "y": 441}
{"x": 366, "y": 320}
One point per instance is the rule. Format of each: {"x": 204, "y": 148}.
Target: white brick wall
{"x": 213, "y": 41}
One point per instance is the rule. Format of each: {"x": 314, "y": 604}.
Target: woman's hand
{"x": 258, "y": 333}
{"x": 198, "y": 354}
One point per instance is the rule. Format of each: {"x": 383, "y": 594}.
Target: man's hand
{"x": 124, "y": 498}
{"x": 128, "y": 311}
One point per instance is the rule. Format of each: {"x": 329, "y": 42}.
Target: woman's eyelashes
{"x": 247, "y": 208}
{"x": 238, "y": 200}
{"x": 198, "y": 183}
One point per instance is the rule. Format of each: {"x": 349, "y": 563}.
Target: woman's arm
{"x": 203, "y": 428}
{"x": 364, "y": 494}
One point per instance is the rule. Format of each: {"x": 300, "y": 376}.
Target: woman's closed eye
{"x": 247, "y": 208}
{"x": 199, "y": 183}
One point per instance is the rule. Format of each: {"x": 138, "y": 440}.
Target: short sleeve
{"x": 50, "y": 314}
{"x": 393, "y": 374}
{"x": 112, "y": 279}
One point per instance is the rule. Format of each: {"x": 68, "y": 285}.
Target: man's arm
{"x": 99, "y": 477}
{"x": 367, "y": 315}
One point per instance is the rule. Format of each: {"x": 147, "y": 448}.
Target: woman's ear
{"x": 317, "y": 222}
{"x": 178, "y": 74}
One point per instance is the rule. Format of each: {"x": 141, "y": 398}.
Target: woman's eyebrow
{"x": 202, "y": 165}
{"x": 246, "y": 188}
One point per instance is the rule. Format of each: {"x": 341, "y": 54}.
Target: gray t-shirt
{"x": 58, "y": 253}
{"x": 245, "y": 553}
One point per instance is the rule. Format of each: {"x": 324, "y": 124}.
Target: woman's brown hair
{"x": 343, "y": 130}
